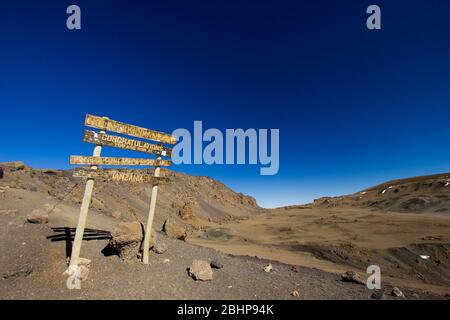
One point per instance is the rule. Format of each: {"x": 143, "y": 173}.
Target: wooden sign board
{"x": 118, "y": 175}
{"x": 128, "y": 129}
{"x": 108, "y": 140}
{"x": 110, "y": 161}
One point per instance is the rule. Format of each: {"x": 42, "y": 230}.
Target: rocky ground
{"x": 34, "y": 252}
{"x": 37, "y": 265}
{"x": 402, "y": 226}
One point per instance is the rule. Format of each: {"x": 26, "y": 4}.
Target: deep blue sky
{"x": 354, "y": 107}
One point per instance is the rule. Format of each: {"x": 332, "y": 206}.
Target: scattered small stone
{"x": 160, "y": 247}
{"x": 174, "y": 230}
{"x": 201, "y": 270}
{"x": 353, "y": 277}
{"x": 268, "y": 268}
{"x": 415, "y": 296}
{"x": 216, "y": 264}
{"x": 295, "y": 269}
{"x": 295, "y": 294}
{"x": 396, "y": 292}
{"x": 38, "y": 217}
{"x": 378, "y": 295}
{"x": 166, "y": 261}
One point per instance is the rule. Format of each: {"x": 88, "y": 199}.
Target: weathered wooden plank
{"x": 104, "y": 139}
{"x": 76, "y": 248}
{"x": 111, "y": 161}
{"x": 119, "y": 175}
{"x": 151, "y": 216}
{"x": 128, "y": 129}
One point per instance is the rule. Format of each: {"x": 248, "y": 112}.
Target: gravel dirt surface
{"x": 33, "y": 257}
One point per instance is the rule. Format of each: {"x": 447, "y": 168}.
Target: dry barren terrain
{"x": 308, "y": 246}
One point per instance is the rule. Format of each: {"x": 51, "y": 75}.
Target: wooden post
{"x": 76, "y": 248}
{"x": 151, "y": 215}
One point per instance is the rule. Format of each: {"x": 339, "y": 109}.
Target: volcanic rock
{"x": 201, "y": 270}
{"x": 352, "y": 276}
{"x": 126, "y": 239}
{"x": 396, "y": 292}
{"x": 38, "y": 217}
{"x": 216, "y": 264}
{"x": 174, "y": 230}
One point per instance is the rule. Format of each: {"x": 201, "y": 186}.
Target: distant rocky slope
{"x": 194, "y": 200}
{"x": 424, "y": 194}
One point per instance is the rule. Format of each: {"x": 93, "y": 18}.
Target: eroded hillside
{"x": 194, "y": 200}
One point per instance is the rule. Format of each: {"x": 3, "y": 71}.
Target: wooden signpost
{"x": 124, "y": 143}
{"x": 106, "y": 124}
{"x": 108, "y": 161}
{"x": 119, "y": 175}
{"x": 76, "y": 247}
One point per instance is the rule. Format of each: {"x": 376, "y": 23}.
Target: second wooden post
{"x": 151, "y": 215}
{"x": 76, "y": 248}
